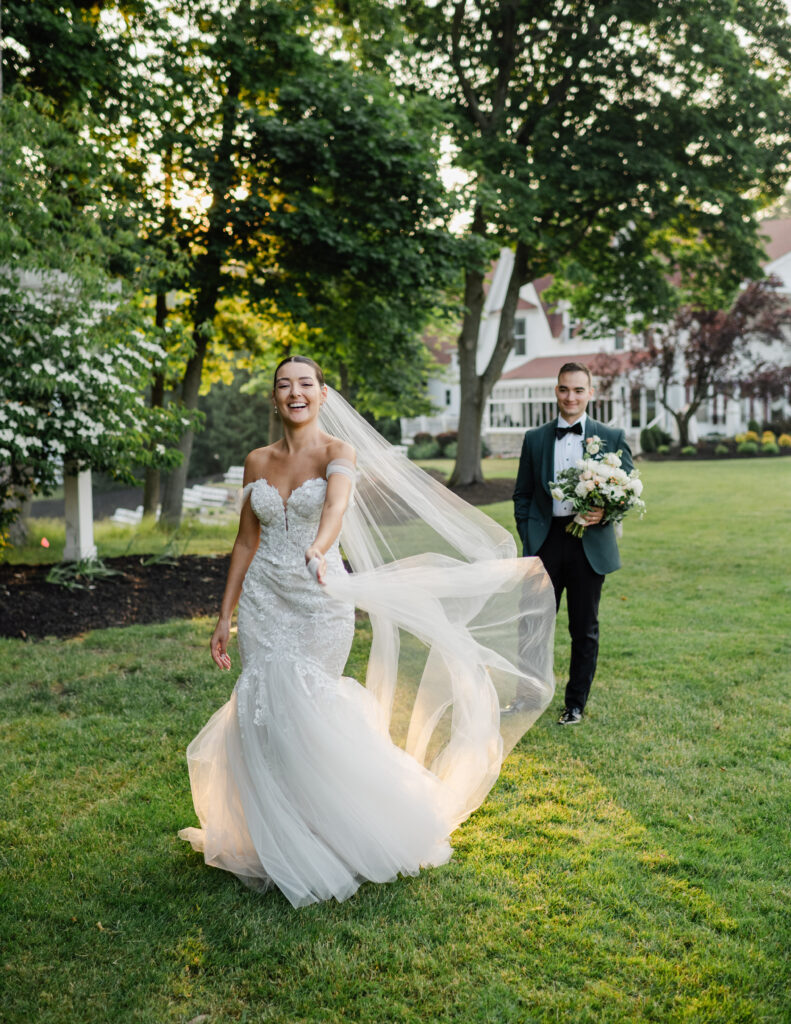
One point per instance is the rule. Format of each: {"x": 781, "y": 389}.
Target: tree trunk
{"x": 467, "y": 469}
{"x": 475, "y": 388}
{"x": 682, "y": 418}
{"x": 682, "y": 424}
{"x": 19, "y": 530}
{"x": 151, "y": 491}
{"x": 173, "y": 496}
{"x": 153, "y": 474}
{"x": 209, "y": 277}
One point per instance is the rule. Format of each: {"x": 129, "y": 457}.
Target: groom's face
{"x": 573, "y": 392}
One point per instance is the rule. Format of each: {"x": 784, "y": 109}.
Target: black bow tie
{"x": 576, "y": 428}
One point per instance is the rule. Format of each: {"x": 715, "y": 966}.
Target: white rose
{"x": 581, "y": 489}
{"x": 593, "y": 444}
{"x": 636, "y": 486}
{"x": 557, "y": 494}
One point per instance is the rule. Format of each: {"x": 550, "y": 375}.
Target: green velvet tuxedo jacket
{"x": 533, "y": 502}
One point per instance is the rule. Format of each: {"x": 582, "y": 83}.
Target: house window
{"x": 520, "y": 336}
{"x": 650, "y": 404}
{"x": 448, "y": 396}
{"x": 620, "y": 338}
{"x": 635, "y": 407}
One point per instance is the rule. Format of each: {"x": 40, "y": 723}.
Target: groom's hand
{"x": 594, "y": 517}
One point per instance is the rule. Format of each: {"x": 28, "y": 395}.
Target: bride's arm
{"x": 339, "y": 489}
{"x": 244, "y": 548}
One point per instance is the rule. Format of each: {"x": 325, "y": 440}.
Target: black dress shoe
{"x": 570, "y": 716}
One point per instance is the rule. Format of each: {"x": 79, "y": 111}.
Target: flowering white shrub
{"x": 72, "y": 381}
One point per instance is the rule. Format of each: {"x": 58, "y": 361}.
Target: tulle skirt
{"x": 296, "y": 780}
{"x": 295, "y": 785}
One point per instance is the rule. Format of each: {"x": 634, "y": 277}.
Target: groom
{"x": 575, "y": 565}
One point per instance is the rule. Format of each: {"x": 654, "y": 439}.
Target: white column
{"x": 78, "y": 495}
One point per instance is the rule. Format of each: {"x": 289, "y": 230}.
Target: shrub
{"x": 784, "y": 441}
{"x": 651, "y": 438}
{"x": 768, "y": 437}
{"x": 663, "y": 449}
{"x": 422, "y": 438}
{"x": 770, "y": 448}
{"x": 747, "y": 448}
{"x": 446, "y": 438}
{"x": 451, "y": 450}
{"x": 426, "y": 450}
{"x": 689, "y": 449}
{"x": 486, "y": 451}
{"x": 739, "y": 438}
{"x": 753, "y": 428}
{"x": 722, "y": 449}
{"x": 648, "y": 440}
{"x": 662, "y": 436}
{"x": 751, "y": 435}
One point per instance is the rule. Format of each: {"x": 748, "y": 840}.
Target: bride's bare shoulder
{"x": 257, "y": 463}
{"x": 337, "y": 449}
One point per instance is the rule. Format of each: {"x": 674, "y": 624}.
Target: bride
{"x": 306, "y": 779}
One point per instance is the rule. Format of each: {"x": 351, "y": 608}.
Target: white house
{"x": 545, "y": 339}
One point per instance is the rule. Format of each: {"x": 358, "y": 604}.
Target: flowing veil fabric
{"x": 461, "y": 626}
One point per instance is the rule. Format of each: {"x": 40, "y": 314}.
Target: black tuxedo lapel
{"x": 548, "y": 455}
{"x": 591, "y": 428}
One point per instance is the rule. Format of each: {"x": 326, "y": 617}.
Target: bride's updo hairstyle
{"x": 300, "y": 359}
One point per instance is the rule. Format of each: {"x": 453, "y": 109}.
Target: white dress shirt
{"x": 568, "y": 451}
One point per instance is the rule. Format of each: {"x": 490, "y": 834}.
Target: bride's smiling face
{"x": 298, "y": 395}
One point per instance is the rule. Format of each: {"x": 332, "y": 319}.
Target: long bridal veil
{"x": 461, "y": 627}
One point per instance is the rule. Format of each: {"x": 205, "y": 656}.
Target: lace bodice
{"x": 288, "y": 527}
{"x": 282, "y": 607}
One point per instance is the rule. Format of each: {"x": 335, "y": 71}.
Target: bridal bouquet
{"x": 597, "y": 481}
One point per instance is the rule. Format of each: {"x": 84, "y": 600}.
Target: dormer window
{"x": 520, "y": 336}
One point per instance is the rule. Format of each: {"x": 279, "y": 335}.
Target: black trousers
{"x": 569, "y": 569}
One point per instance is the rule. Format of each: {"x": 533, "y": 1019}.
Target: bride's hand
{"x": 219, "y": 644}
{"x": 321, "y": 565}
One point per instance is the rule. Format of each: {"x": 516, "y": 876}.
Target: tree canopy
{"x": 73, "y": 357}
{"x": 261, "y": 161}
{"x": 615, "y": 138}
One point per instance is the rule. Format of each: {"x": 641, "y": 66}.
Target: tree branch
{"x": 477, "y": 115}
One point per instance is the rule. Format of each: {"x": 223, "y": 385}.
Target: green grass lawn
{"x": 634, "y": 868}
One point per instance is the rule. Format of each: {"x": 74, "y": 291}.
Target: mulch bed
{"x": 191, "y": 586}
{"x": 31, "y": 607}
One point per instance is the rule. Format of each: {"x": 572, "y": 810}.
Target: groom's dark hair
{"x": 576, "y": 368}
{"x": 300, "y": 359}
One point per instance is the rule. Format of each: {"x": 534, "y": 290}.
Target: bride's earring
{"x": 274, "y": 408}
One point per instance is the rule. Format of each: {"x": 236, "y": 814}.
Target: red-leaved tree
{"x": 711, "y": 351}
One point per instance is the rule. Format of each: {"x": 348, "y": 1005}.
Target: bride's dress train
{"x": 296, "y": 780}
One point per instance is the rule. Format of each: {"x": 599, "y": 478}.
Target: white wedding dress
{"x": 292, "y": 780}
{"x": 315, "y": 783}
